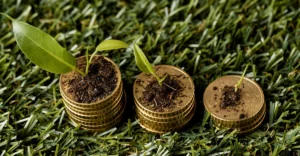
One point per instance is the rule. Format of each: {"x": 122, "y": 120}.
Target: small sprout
{"x": 106, "y": 45}
{"x": 144, "y": 65}
{"x": 240, "y": 81}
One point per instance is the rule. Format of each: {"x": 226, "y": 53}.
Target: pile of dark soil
{"x": 100, "y": 81}
{"x": 162, "y": 96}
{"x": 230, "y": 97}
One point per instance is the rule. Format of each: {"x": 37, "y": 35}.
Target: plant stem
{"x": 79, "y": 71}
{"x": 240, "y": 81}
{"x": 6, "y": 16}
{"x": 160, "y": 80}
{"x": 87, "y": 61}
{"x": 91, "y": 58}
{"x": 157, "y": 78}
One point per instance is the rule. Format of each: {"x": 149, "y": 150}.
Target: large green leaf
{"x": 42, "y": 49}
{"x": 142, "y": 61}
{"x": 111, "y": 45}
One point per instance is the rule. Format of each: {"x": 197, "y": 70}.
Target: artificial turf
{"x": 206, "y": 38}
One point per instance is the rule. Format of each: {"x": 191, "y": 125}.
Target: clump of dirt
{"x": 242, "y": 116}
{"x": 230, "y": 97}
{"x": 215, "y": 88}
{"x": 100, "y": 81}
{"x": 162, "y": 96}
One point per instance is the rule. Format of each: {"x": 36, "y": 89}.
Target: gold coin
{"x": 64, "y": 88}
{"x": 95, "y": 130}
{"x": 238, "y": 125}
{"x": 250, "y": 109}
{"x": 100, "y": 118}
{"x": 246, "y": 131}
{"x": 182, "y": 102}
{"x": 241, "y": 127}
{"x": 93, "y": 106}
{"x": 97, "y": 125}
{"x": 166, "y": 119}
{"x": 174, "y": 123}
{"x": 101, "y": 127}
{"x": 96, "y": 112}
{"x": 161, "y": 130}
{"x": 164, "y": 116}
{"x": 94, "y": 125}
{"x": 254, "y": 124}
{"x": 102, "y": 113}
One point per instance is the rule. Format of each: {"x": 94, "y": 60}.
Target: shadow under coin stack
{"x": 246, "y": 116}
{"x": 171, "y": 119}
{"x": 98, "y": 116}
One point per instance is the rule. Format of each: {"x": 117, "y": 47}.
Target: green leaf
{"x": 144, "y": 65}
{"x": 107, "y": 45}
{"x": 111, "y": 45}
{"x": 142, "y": 61}
{"x": 42, "y": 49}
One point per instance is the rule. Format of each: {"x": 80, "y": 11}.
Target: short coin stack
{"x": 246, "y": 116}
{"x": 100, "y": 115}
{"x": 171, "y": 119}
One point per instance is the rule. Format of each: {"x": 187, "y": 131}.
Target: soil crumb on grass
{"x": 100, "y": 81}
{"x": 230, "y": 97}
{"x": 162, "y": 97}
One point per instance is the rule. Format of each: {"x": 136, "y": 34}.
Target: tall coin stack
{"x": 171, "y": 119}
{"x": 98, "y": 116}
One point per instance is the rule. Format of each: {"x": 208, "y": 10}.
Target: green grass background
{"x": 206, "y": 38}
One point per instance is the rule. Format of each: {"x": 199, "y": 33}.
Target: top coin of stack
{"x": 100, "y": 115}
{"x": 161, "y": 119}
{"x": 246, "y": 115}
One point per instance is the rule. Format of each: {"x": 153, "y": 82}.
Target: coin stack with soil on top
{"x": 166, "y": 107}
{"x": 243, "y": 109}
{"x": 96, "y": 101}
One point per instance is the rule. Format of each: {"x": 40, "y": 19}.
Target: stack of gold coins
{"x": 171, "y": 118}
{"x": 100, "y": 115}
{"x": 246, "y": 115}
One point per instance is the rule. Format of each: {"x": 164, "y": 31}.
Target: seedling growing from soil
{"x": 162, "y": 104}
{"x": 86, "y": 85}
{"x": 231, "y": 95}
{"x": 106, "y": 45}
{"x": 144, "y": 65}
{"x": 241, "y": 80}
{"x": 44, "y": 51}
